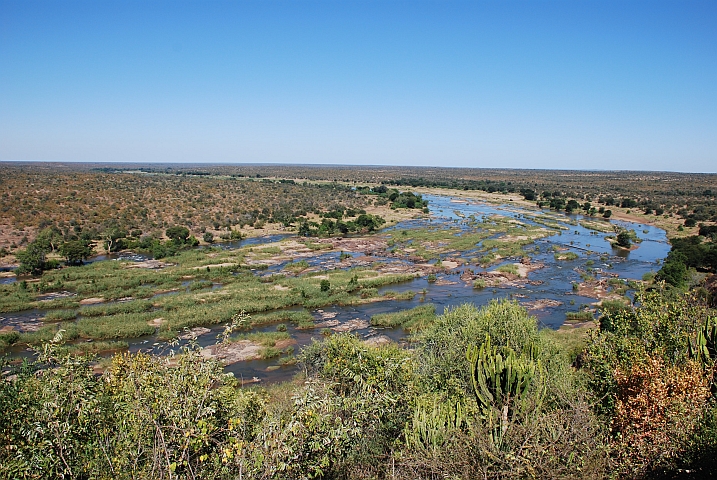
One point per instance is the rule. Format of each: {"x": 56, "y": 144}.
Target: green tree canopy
{"x": 75, "y": 251}
{"x": 32, "y": 259}
{"x": 178, "y": 233}
{"x": 623, "y": 239}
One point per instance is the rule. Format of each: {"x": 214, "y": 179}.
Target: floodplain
{"x": 279, "y": 292}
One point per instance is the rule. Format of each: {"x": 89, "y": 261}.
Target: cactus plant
{"x": 434, "y": 420}
{"x": 705, "y": 347}
{"x": 499, "y": 375}
{"x": 501, "y": 379}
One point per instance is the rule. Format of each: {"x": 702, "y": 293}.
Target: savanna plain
{"x": 266, "y": 321}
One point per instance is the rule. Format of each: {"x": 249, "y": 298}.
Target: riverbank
{"x": 466, "y": 251}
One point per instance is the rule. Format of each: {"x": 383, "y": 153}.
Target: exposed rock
{"x": 351, "y": 325}
{"x": 282, "y": 344}
{"x": 525, "y": 268}
{"x": 377, "y": 340}
{"x": 194, "y": 333}
{"x": 21, "y": 323}
{"x": 229, "y": 353}
{"x": 541, "y": 304}
{"x": 326, "y": 324}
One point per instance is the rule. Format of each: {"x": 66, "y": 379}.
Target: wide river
{"x": 552, "y": 282}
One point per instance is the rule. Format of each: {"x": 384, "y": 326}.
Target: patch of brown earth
{"x": 282, "y": 344}
{"x": 156, "y": 322}
{"x": 151, "y": 264}
{"x": 92, "y": 301}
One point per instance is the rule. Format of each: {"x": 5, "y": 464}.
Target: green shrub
{"x": 84, "y": 426}
{"x": 443, "y": 345}
{"x": 8, "y": 338}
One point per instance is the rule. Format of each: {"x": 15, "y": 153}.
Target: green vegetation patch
{"x": 508, "y": 268}
{"x": 566, "y": 256}
{"x": 412, "y": 320}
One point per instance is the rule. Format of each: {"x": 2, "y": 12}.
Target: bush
{"x": 641, "y": 368}
{"x": 142, "y": 418}
{"x": 442, "y": 356}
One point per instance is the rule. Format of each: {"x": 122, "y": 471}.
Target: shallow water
{"x": 553, "y": 282}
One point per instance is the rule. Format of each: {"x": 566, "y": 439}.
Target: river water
{"x": 552, "y": 282}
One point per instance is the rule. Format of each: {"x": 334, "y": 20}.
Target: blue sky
{"x": 521, "y": 84}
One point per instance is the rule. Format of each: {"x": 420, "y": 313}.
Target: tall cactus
{"x": 500, "y": 380}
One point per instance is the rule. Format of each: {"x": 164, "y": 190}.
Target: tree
{"x": 369, "y": 222}
{"x": 673, "y": 272}
{"x": 607, "y": 214}
{"x": 112, "y": 237}
{"x": 572, "y": 206}
{"x": 304, "y": 229}
{"x": 178, "y": 234}
{"x": 75, "y": 251}
{"x": 32, "y": 259}
{"x": 208, "y": 237}
{"x": 623, "y": 239}
{"x": 50, "y": 239}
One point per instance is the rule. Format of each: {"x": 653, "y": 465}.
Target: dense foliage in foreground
{"x": 484, "y": 394}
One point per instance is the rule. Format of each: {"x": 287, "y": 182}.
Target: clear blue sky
{"x": 523, "y": 84}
